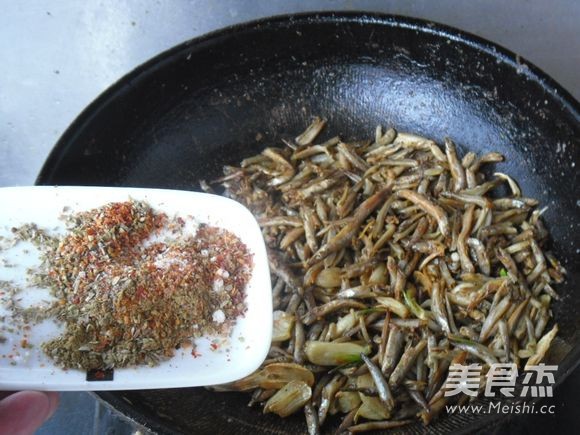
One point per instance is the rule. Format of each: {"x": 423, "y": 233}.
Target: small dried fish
{"x": 312, "y": 423}
{"x": 405, "y": 363}
{"x": 311, "y": 132}
{"x": 393, "y": 351}
{"x": 457, "y": 169}
{"x": 345, "y": 235}
{"x": 382, "y": 386}
{"x": 378, "y": 425}
{"x": 438, "y": 307}
{"x": 434, "y": 210}
{"x": 475, "y": 349}
{"x": 393, "y": 258}
{"x": 542, "y": 348}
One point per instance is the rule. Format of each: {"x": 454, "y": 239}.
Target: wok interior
{"x": 183, "y": 116}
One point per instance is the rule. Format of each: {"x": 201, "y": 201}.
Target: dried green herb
{"x": 126, "y": 300}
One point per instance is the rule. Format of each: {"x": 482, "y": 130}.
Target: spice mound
{"x": 133, "y": 286}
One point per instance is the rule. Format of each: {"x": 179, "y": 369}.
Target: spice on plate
{"x": 132, "y": 286}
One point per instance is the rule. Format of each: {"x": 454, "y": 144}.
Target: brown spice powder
{"x": 126, "y": 300}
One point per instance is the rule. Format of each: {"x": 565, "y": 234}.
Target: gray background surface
{"x": 57, "y": 56}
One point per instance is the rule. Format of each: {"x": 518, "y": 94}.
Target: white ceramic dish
{"x": 233, "y": 357}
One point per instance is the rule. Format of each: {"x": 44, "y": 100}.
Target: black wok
{"x": 198, "y": 106}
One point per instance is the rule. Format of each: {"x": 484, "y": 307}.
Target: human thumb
{"x": 23, "y": 412}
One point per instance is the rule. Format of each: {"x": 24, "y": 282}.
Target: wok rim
{"x": 528, "y": 69}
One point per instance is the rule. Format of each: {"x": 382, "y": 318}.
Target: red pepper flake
{"x": 129, "y": 301}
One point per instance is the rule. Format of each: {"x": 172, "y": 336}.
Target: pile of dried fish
{"x": 391, "y": 260}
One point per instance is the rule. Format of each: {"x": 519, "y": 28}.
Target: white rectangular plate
{"x": 220, "y": 360}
